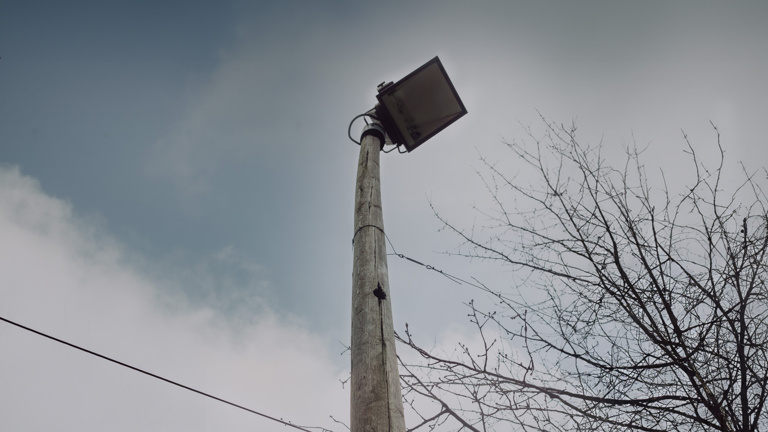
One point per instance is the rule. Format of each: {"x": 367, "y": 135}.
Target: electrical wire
{"x": 101, "y": 356}
{"x": 450, "y": 277}
{"x": 391, "y": 150}
{"x": 349, "y": 129}
{"x": 364, "y": 116}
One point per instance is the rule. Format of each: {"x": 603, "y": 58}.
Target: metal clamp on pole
{"x": 376, "y": 130}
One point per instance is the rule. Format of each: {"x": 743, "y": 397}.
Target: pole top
{"x": 376, "y": 130}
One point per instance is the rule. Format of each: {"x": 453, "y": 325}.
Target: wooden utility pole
{"x": 376, "y": 397}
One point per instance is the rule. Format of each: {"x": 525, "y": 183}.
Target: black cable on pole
{"x": 101, "y": 356}
{"x": 349, "y": 129}
{"x": 397, "y": 146}
{"x": 365, "y": 117}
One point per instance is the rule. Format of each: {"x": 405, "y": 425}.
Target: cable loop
{"x": 383, "y": 141}
{"x": 349, "y": 129}
{"x": 369, "y": 225}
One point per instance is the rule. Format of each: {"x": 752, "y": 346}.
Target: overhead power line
{"x": 185, "y": 387}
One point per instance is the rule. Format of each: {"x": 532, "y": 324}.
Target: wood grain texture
{"x": 376, "y": 398}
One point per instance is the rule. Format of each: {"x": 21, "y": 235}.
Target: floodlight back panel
{"x": 420, "y": 105}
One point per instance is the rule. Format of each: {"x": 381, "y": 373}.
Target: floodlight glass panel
{"x": 421, "y": 105}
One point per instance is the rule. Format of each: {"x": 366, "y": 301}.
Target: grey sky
{"x": 204, "y": 143}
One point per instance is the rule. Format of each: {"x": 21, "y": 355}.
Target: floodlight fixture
{"x": 418, "y": 106}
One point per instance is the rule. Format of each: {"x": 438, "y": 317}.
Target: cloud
{"x": 61, "y": 276}
{"x": 241, "y": 113}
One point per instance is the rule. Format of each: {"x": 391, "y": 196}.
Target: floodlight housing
{"x": 419, "y": 106}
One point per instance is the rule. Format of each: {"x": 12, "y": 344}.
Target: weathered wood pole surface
{"x": 376, "y": 397}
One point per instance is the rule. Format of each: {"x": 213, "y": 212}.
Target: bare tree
{"x": 634, "y": 306}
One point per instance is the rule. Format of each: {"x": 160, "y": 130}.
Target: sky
{"x": 177, "y": 185}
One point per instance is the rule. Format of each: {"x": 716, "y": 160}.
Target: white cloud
{"x": 241, "y": 112}
{"x": 64, "y": 278}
